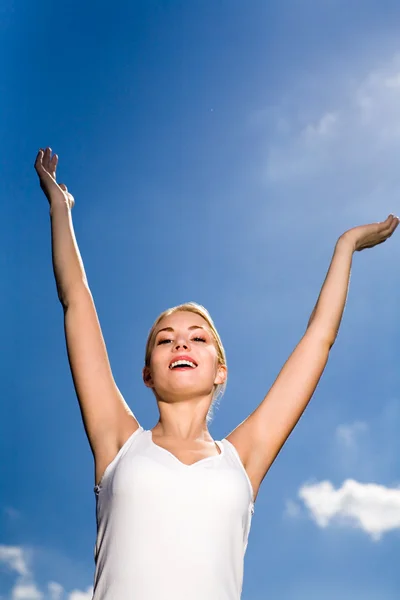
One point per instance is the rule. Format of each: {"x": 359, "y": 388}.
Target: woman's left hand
{"x": 368, "y": 236}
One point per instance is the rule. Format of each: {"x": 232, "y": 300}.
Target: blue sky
{"x": 216, "y": 151}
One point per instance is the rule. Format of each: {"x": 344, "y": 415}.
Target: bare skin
{"x": 46, "y": 167}
{"x": 184, "y": 397}
{"x": 183, "y": 392}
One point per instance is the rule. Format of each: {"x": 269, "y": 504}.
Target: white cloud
{"x": 358, "y": 134}
{"x": 77, "y": 595}
{"x": 14, "y": 558}
{"x": 348, "y": 435}
{"x": 368, "y": 451}
{"x": 325, "y": 126}
{"x": 55, "y": 590}
{"x": 373, "y": 508}
{"x": 26, "y": 591}
{"x": 393, "y": 81}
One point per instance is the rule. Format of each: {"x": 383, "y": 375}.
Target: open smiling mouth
{"x": 182, "y": 365}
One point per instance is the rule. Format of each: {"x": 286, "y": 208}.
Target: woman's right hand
{"x": 46, "y": 166}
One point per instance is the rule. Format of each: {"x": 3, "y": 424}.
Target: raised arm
{"x": 107, "y": 419}
{"x": 260, "y": 437}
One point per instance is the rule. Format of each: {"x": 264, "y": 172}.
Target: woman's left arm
{"x": 328, "y": 311}
{"x": 260, "y": 437}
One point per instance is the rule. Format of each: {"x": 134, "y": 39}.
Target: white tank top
{"x": 169, "y": 531}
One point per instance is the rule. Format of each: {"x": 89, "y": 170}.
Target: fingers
{"x": 44, "y": 159}
{"x": 393, "y": 225}
{"x": 389, "y": 226}
{"x": 63, "y": 187}
{"x": 39, "y": 159}
{"x": 47, "y": 159}
{"x": 392, "y": 222}
{"x": 53, "y": 164}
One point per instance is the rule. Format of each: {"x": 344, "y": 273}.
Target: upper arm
{"x": 259, "y": 438}
{"x": 107, "y": 419}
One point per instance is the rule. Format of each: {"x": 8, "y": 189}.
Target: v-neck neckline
{"x": 219, "y": 444}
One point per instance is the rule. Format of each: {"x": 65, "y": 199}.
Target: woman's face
{"x": 184, "y": 360}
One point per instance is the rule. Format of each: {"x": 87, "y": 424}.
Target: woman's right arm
{"x": 107, "y": 419}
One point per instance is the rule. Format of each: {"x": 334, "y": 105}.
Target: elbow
{"x": 326, "y": 337}
{"x": 330, "y": 343}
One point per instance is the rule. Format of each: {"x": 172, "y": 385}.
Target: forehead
{"x": 182, "y": 319}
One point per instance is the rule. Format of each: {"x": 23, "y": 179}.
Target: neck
{"x": 182, "y": 429}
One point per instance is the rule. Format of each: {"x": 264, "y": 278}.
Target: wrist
{"x": 57, "y": 207}
{"x": 347, "y": 240}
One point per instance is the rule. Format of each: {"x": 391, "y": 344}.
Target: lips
{"x": 183, "y": 357}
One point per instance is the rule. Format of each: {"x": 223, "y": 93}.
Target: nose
{"x": 181, "y": 343}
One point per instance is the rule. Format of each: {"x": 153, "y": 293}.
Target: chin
{"x": 183, "y": 391}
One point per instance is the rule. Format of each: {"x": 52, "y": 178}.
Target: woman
{"x": 174, "y": 507}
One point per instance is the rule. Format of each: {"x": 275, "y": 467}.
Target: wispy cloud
{"x": 13, "y": 557}
{"x": 373, "y": 508}
{"x": 79, "y": 595}
{"x": 26, "y": 591}
{"x": 363, "y": 129}
{"x": 292, "y": 509}
{"x": 348, "y": 435}
{"x": 363, "y": 451}
{"x": 368, "y": 451}
{"x": 17, "y": 560}
{"x": 347, "y": 147}
{"x": 55, "y": 590}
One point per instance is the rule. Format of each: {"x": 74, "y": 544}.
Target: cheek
{"x": 212, "y": 362}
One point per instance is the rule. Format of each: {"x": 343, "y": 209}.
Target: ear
{"x": 222, "y": 374}
{"x": 148, "y": 381}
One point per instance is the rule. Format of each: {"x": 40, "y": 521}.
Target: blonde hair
{"x": 197, "y": 309}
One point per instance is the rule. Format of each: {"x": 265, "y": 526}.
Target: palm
{"x": 368, "y": 236}
{"x": 46, "y": 167}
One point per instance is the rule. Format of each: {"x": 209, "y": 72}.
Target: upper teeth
{"x": 182, "y": 362}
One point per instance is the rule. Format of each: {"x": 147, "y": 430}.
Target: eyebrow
{"x": 172, "y": 329}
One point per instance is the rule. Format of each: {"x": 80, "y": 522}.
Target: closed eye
{"x": 195, "y": 339}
